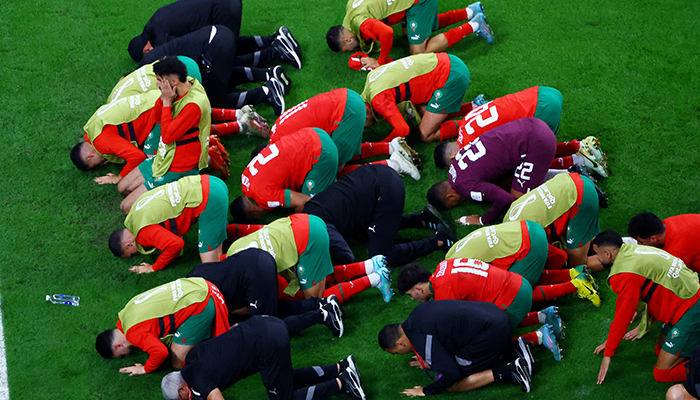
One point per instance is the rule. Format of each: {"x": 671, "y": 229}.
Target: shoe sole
{"x": 438, "y": 216}
{"x": 385, "y": 284}
{"x": 291, "y": 53}
{"x": 412, "y": 169}
{"x": 338, "y": 316}
{"x": 523, "y": 351}
{"x": 279, "y": 74}
{"x": 354, "y": 373}
{"x": 525, "y": 378}
{"x": 277, "y": 94}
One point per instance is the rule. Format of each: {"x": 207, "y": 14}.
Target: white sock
{"x": 541, "y": 317}
{"x": 239, "y": 113}
{"x": 474, "y": 25}
{"x": 374, "y": 279}
{"x": 369, "y": 267}
{"x": 539, "y": 337}
{"x": 470, "y": 13}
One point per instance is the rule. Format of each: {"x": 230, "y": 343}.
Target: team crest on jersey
{"x": 674, "y": 333}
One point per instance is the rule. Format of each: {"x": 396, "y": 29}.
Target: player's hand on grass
{"x": 414, "y": 391}
{"x": 415, "y": 363}
{"x": 600, "y": 348}
{"x": 110, "y": 178}
{"x": 144, "y": 268}
{"x": 469, "y": 220}
{"x": 632, "y": 335}
{"x": 603, "y": 369}
{"x": 137, "y": 369}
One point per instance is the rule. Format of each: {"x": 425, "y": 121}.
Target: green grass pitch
{"x": 628, "y": 73}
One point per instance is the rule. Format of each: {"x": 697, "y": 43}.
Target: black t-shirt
{"x": 222, "y": 361}
{"x": 348, "y": 203}
{"x": 185, "y": 16}
{"x": 450, "y": 334}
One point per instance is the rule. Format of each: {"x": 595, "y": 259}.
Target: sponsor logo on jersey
{"x": 273, "y": 204}
{"x": 302, "y": 281}
{"x": 178, "y": 334}
{"x": 669, "y": 344}
{"x": 200, "y": 244}
{"x": 254, "y": 304}
{"x": 142, "y": 203}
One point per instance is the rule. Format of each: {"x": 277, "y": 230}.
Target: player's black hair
{"x": 411, "y": 275}
{"x": 440, "y": 155}
{"x": 103, "y": 343}
{"x": 436, "y": 195}
{"x": 170, "y": 65}
{"x": 333, "y": 38}
{"x": 645, "y": 225}
{"x": 239, "y": 211}
{"x": 257, "y": 150}
{"x": 388, "y": 336}
{"x": 115, "y": 242}
{"x": 608, "y": 238}
{"x": 136, "y": 46}
{"x": 77, "y": 159}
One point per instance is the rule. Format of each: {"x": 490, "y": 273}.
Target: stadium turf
{"x": 628, "y": 74}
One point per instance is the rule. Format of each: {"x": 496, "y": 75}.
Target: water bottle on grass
{"x": 64, "y": 299}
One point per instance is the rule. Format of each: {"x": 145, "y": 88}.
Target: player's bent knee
{"x": 678, "y": 392}
{"x": 664, "y": 375}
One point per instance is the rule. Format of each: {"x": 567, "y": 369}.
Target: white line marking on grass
{"x": 4, "y": 388}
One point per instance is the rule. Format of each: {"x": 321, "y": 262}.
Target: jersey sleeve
{"x": 171, "y": 129}
{"x": 376, "y": 30}
{"x": 628, "y": 288}
{"x": 162, "y": 239}
{"x": 151, "y": 344}
{"x": 109, "y": 142}
{"x": 500, "y": 199}
{"x": 385, "y": 104}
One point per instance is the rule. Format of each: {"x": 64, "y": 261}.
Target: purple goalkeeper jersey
{"x": 524, "y": 148}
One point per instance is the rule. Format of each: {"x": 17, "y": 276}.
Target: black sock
{"x": 504, "y": 373}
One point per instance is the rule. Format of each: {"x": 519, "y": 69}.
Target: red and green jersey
{"x": 324, "y": 111}
{"x": 184, "y": 132}
{"x": 412, "y": 78}
{"x": 682, "y": 238}
{"x": 161, "y": 216}
{"x": 285, "y": 239}
{"x": 501, "y": 245}
{"x": 160, "y": 311}
{"x": 651, "y": 275}
{"x": 359, "y": 11}
{"x": 474, "y": 280}
{"x": 498, "y": 112}
{"x": 118, "y": 141}
{"x": 280, "y": 168}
